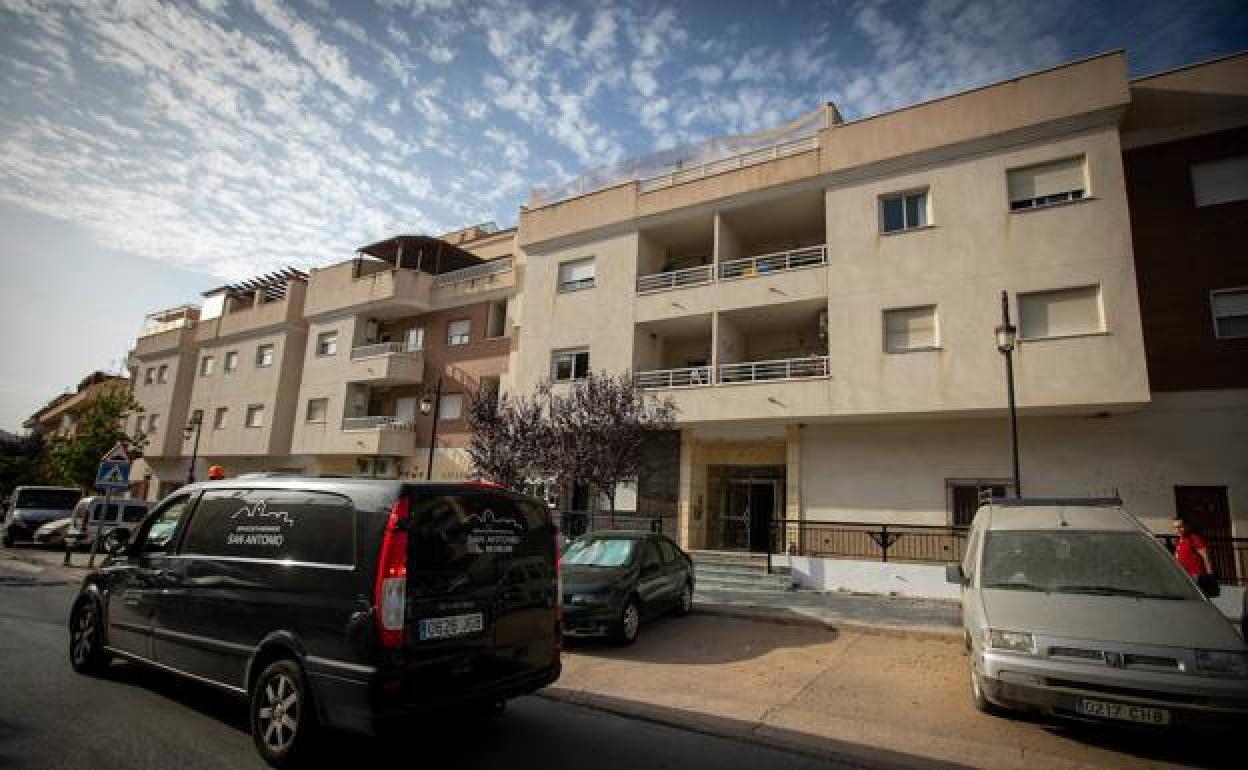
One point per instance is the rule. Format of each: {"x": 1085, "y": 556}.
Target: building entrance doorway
{"x": 745, "y": 501}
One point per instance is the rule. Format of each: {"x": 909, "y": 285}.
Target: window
{"x": 197, "y": 417}
{"x": 317, "y": 409}
{"x": 133, "y": 513}
{"x": 162, "y": 374}
{"x": 576, "y": 275}
{"x": 910, "y": 328}
{"x": 458, "y": 332}
{"x": 1220, "y": 181}
{"x": 264, "y": 355}
{"x": 497, "y": 325}
{"x": 1060, "y": 313}
{"x": 904, "y": 211}
{"x": 153, "y": 422}
{"x": 569, "y": 365}
{"x": 218, "y": 419}
{"x": 231, "y": 361}
{"x": 311, "y": 527}
{"x": 163, "y": 526}
{"x": 415, "y": 339}
{"x": 668, "y": 550}
{"x": 649, "y": 556}
{"x": 1047, "y": 183}
{"x": 494, "y": 384}
{"x": 138, "y": 425}
{"x": 205, "y": 366}
{"x": 255, "y": 416}
{"x": 1230, "y": 313}
{"x": 451, "y": 407}
{"x": 327, "y": 343}
{"x": 150, "y": 376}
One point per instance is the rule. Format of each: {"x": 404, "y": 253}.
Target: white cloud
{"x": 328, "y": 60}
{"x": 351, "y": 30}
{"x": 439, "y": 53}
{"x": 474, "y": 108}
{"x": 398, "y": 34}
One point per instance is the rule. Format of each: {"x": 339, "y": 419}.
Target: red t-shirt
{"x": 1188, "y": 554}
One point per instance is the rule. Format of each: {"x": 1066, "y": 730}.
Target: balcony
{"x": 386, "y": 363}
{"x": 372, "y": 286}
{"x": 478, "y": 283}
{"x": 691, "y": 376}
{"x": 776, "y": 369}
{"x": 373, "y": 435}
{"x": 781, "y": 261}
{"x": 675, "y": 279}
{"x": 674, "y": 353}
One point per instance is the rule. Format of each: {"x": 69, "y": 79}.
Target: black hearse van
{"x": 332, "y": 601}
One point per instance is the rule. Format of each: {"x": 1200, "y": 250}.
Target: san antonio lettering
{"x": 269, "y": 539}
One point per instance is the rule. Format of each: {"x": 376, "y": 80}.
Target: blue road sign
{"x": 113, "y": 476}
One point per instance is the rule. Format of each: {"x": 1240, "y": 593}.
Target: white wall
{"x": 923, "y": 581}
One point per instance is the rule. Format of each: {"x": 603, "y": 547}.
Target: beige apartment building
{"x": 822, "y": 312}
{"x": 325, "y": 373}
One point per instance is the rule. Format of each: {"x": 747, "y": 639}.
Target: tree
{"x": 75, "y": 459}
{"x": 599, "y": 429}
{"x": 23, "y": 460}
{"x": 509, "y": 436}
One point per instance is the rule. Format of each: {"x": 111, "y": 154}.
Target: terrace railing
{"x": 674, "y": 378}
{"x": 379, "y": 349}
{"x": 749, "y": 267}
{"x": 675, "y": 279}
{"x": 376, "y": 422}
{"x": 780, "y": 369}
{"x": 493, "y": 267}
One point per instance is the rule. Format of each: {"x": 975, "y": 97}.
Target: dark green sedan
{"x": 614, "y": 580}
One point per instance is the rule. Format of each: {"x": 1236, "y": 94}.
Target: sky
{"x": 151, "y": 150}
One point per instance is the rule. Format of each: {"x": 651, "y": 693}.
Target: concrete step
{"x": 735, "y": 570}
{"x": 740, "y": 576}
{"x": 743, "y": 584}
{"x": 744, "y": 559}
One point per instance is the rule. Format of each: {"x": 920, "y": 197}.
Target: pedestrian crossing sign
{"x": 114, "y": 472}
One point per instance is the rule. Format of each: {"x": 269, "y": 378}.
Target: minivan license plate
{"x": 1122, "y": 711}
{"x": 452, "y": 626}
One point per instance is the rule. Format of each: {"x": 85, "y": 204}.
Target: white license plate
{"x": 1122, "y": 711}
{"x": 452, "y": 626}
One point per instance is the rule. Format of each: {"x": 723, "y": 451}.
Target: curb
{"x": 767, "y": 615}
{"x": 11, "y": 554}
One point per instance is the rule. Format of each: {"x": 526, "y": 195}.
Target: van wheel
{"x": 629, "y": 623}
{"x": 86, "y": 643}
{"x": 684, "y": 603}
{"x": 283, "y": 720}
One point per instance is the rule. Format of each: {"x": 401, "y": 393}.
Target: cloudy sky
{"x": 149, "y": 149}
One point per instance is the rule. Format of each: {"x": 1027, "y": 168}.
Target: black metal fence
{"x": 869, "y": 542}
{"x": 577, "y": 523}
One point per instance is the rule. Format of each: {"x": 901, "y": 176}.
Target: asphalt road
{"x": 134, "y": 717}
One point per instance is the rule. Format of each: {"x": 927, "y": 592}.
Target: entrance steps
{"x": 720, "y": 572}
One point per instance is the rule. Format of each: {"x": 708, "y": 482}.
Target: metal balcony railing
{"x": 675, "y": 279}
{"x": 375, "y": 422}
{"x": 378, "y": 349}
{"x": 674, "y": 378}
{"x": 493, "y": 267}
{"x": 780, "y": 261}
{"x": 728, "y": 164}
{"x": 780, "y": 369}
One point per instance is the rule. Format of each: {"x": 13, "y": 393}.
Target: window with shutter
{"x": 1060, "y": 313}
{"x": 458, "y": 332}
{"x": 1230, "y": 312}
{"x": 910, "y": 328}
{"x": 1047, "y": 183}
{"x": 1220, "y": 181}
{"x": 576, "y": 275}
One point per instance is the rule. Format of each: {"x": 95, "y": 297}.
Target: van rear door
{"x": 478, "y": 562}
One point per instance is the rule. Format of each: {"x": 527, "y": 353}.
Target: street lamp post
{"x": 430, "y": 406}
{"x": 193, "y": 425}
{"x": 1007, "y": 336}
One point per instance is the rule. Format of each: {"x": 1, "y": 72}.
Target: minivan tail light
{"x": 390, "y": 592}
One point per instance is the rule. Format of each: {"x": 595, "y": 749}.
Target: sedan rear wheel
{"x": 629, "y": 623}
{"x": 684, "y": 605}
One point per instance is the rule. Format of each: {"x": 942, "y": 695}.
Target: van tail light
{"x": 390, "y": 592}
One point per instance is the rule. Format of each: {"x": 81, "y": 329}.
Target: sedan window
{"x": 599, "y": 552}
{"x": 1073, "y": 562}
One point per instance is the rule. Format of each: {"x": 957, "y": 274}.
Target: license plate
{"x": 1122, "y": 711}
{"x": 452, "y": 626}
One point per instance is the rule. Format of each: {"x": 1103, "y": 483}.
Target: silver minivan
{"x": 94, "y": 516}
{"x": 1072, "y": 608}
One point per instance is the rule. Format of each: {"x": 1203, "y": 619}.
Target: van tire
{"x": 629, "y": 625}
{"x": 982, "y": 704}
{"x": 282, "y": 729}
{"x": 86, "y": 639}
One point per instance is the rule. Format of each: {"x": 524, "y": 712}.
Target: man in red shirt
{"x": 1191, "y": 551}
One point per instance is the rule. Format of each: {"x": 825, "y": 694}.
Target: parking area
{"x": 897, "y": 698}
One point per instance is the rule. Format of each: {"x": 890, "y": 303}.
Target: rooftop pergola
{"x": 421, "y": 252}
{"x": 272, "y": 284}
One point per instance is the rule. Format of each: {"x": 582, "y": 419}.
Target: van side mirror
{"x": 955, "y": 575}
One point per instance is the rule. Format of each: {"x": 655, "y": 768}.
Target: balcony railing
{"x": 675, "y": 279}
{"x": 376, "y": 422}
{"x": 674, "y": 378}
{"x": 774, "y": 263}
{"x": 780, "y": 369}
{"x": 493, "y": 267}
{"x": 378, "y": 349}
{"x": 728, "y": 164}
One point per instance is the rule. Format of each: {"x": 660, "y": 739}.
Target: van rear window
{"x": 461, "y": 539}
{"x": 275, "y": 524}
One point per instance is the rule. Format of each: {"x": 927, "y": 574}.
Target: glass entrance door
{"x": 746, "y": 513}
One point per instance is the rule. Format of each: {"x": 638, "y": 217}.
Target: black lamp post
{"x": 1007, "y": 336}
{"x": 193, "y": 426}
{"x": 430, "y": 406}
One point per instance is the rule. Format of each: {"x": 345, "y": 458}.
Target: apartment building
{"x": 326, "y": 373}
{"x": 61, "y": 416}
{"x": 398, "y": 338}
{"x": 822, "y": 312}
{"x": 1185, "y": 154}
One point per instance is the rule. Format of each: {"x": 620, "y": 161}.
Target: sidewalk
{"x": 860, "y": 698}
{"x": 832, "y": 610}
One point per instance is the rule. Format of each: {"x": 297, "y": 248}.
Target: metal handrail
{"x": 779, "y": 369}
{"x": 673, "y": 378}
{"x": 375, "y": 422}
{"x": 492, "y": 267}
{"x": 675, "y": 279}
{"x": 378, "y": 349}
{"x": 774, "y": 263}
{"x": 731, "y": 163}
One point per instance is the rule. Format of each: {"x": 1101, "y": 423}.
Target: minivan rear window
{"x": 277, "y": 524}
